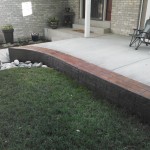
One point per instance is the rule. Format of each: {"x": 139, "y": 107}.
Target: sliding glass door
{"x": 97, "y": 7}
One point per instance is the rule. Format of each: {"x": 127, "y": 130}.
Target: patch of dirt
{"x": 81, "y": 30}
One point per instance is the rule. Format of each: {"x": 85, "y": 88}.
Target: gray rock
{"x": 27, "y": 62}
{"x": 16, "y": 44}
{"x": 31, "y": 42}
{"x": 0, "y": 64}
{"x": 44, "y": 66}
{"x": 4, "y": 45}
{"x": 2, "y": 68}
{"x": 21, "y": 62}
{"x": 7, "y": 66}
{"x": 16, "y": 62}
{"x": 34, "y": 65}
{"x": 37, "y": 65}
{"x": 22, "y": 65}
{"x": 7, "y": 45}
{"x": 13, "y": 64}
{"x": 29, "y": 65}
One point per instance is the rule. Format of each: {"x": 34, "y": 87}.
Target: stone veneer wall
{"x": 124, "y": 16}
{"x": 11, "y": 13}
{"x": 75, "y": 7}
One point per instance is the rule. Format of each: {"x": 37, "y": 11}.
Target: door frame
{"x": 104, "y": 10}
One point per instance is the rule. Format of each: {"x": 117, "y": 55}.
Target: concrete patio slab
{"x": 138, "y": 71}
{"x": 110, "y": 52}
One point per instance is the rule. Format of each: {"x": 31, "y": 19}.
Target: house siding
{"x": 11, "y": 13}
{"x": 124, "y": 16}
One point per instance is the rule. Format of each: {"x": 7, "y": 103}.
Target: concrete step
{"x": 64, "y": 33}
{"x": 95, "y": 30}
{"x": 95, "y": 23}
{"x": 59, "y": 34}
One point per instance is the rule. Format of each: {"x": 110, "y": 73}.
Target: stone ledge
{"x": 120, "y": 90}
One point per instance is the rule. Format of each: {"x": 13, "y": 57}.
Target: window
{"x": 26, "y": 8}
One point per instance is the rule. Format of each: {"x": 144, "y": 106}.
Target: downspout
{"x": 140, "y": 14}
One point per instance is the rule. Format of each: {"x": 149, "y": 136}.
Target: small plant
{"x": 53, "y": 19}
{"x": 7, "y": 27}
{"x": 53, "y": 22}
{"x": 23, "y": 41}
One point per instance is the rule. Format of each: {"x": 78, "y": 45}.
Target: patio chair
{"x": 142, "y": 36}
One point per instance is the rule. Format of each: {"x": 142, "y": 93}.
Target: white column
{"x": 148, "y": 10}
{"x": 87, "y": 18}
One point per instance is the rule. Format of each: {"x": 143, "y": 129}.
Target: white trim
{"x": 104, "y": 10}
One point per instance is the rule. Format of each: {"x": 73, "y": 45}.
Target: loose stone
{"x": 16, "y": 62}
{"x": 37, "y": 64}
{"x": 27, "y": 62}
{"x": 0, "y": 64}
{"x": 29, "y": 65}
{"x": 44, "y": 66}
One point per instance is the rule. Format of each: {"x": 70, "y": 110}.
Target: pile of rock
{"x": 20, "y": 43}
{"x": 16, "y": 63}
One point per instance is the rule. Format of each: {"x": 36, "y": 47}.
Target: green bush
{"x": 52, "y": 19}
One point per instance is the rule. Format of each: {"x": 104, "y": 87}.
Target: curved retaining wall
{"x": 125, "y": 92}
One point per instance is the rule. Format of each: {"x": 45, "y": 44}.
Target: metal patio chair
{"x": 141, "y": 36}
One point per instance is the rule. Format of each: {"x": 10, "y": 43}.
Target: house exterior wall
{"x": 11, "y": 13}
{"x": 75, "y": 7}
{"x": 124, "y": 16}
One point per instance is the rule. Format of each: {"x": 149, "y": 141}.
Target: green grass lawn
{"x": 42, "y": 109}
